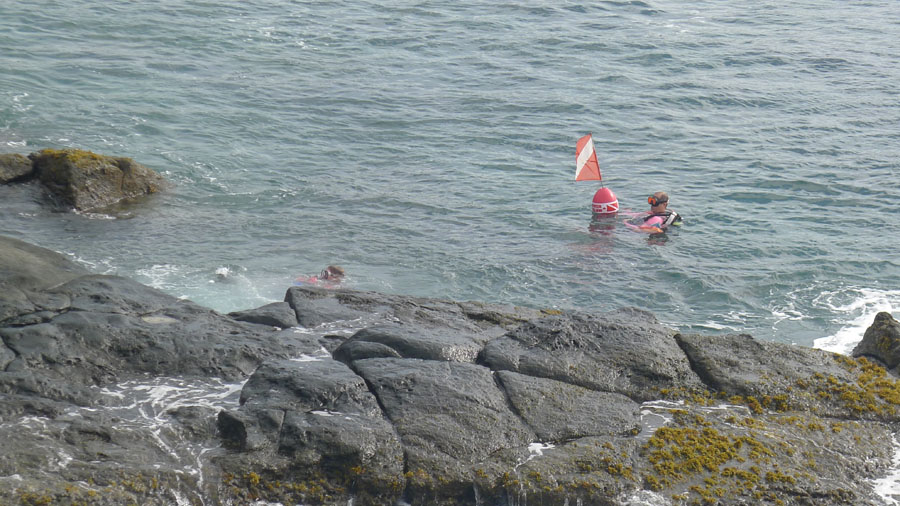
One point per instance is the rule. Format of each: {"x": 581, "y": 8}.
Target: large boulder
{"x": 87, "y": 181}
{"x": 881, "y": 341}
{"x": 451, "y": 418}
{"x": 302, "y": 421}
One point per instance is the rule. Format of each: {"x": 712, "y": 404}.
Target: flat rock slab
{"x": 308, "y": 419}
{"x": 309, "y": 385}
{"x": 449, "y": 415}
{"x": 315, "y": 306}
{"x": 626, "y": 352}
{"x": 558, "y": 411}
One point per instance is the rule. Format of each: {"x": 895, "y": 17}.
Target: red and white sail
{"x": 586, "y": 166}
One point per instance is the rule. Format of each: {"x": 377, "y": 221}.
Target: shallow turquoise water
{"x": 429, "y": 149}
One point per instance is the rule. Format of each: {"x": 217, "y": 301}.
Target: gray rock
{"x": 276, "y": 314}
{"x": 558, "y": 411}
{"x": 198, "y": 422}
{"x": 14, "y": 168}
{"x": 415, "y": 341}
{"x": 315, "y": 306}
{"x": 127, "y": 327}
{"x": 881, "y": 341}
{"x": 432, "y": 402}
{"x": 313, "y": 418}
{"x": 309, "y": 385}
{"x": 25, "y": 270}
{"x": 87, "y": 181}
{"x": 350, "y": 351}
{"x": 781, "y": 377}
{"x": 449, "y": 415}
{"x": 335, "y": 441}
{"x": 599, "y": 470}
{"x": 626, "y": 351}
{"x": 114, "y": 327}
{"x": 7, "y": 355}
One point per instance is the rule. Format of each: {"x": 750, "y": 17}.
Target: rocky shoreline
{"x": 385, "y": 399}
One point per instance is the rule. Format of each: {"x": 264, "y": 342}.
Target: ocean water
{"x": 428, "y": 148}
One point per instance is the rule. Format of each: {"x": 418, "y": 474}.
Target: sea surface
{"x": 429, "y": 149}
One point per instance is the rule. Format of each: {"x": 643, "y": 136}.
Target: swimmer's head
{"x": 333, "y": 272}
{"x": 658, "y": 199}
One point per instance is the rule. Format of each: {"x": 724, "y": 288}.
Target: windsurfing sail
{"x": 586, "y": 166}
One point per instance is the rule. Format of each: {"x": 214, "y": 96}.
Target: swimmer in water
{"x": 330, "y": 277}
{"x": 659, "y": 218}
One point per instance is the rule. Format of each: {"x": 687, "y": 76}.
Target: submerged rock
{"x": 417, "y": 401}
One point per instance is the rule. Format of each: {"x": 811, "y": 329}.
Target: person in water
{"x": 330, "y": 277}
{"x": 659, "y": 218}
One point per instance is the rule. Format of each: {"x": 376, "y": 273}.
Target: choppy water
{"x": 428, "y": 147}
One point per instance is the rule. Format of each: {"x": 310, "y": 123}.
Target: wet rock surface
{"x": 340, "y": 395}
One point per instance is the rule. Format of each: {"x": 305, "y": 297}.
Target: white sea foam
{"x": 535, "y": 450}
{"x": 644, "y": 498}
{"x": 162, "y": 276}
{"x": 152, "y": 399}
{"x": 102, "y": 266}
